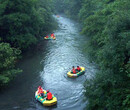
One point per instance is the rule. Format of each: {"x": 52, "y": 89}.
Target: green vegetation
{"x": 69, "y": 7}
{"x": 22, "y": 24}
{"x": 107, "y": 25}
{"x": 8, "y": 57}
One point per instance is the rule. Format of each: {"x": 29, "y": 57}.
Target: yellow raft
{"x": 44, "y": 101}
{"x": 50, "y": 38}
{"x": 71, "y": 75}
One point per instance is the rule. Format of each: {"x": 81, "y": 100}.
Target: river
{"x": 48, "y": 68}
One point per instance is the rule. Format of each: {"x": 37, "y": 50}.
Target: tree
{"x": 22, "y": 22}
{"x": 8, "y": 57}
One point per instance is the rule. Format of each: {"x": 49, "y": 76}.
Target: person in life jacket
{"x": 46, "y": 36}
{"x": 73, "y": 70}
{"x": 40, "y": 91}
{"x": 78, "y": 68}
{"x": 52, "y": 34}
{"x": 53, "y": 37}
{"x": 49, "y": 95}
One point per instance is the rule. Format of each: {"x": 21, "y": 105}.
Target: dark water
{"x": 48, "y": 68}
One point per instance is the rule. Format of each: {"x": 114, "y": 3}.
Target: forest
{"x": 22, "y": 24}
{"x": 107, "y": 25}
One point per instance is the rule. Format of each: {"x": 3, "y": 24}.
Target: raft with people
{"x": 43, "y": 99}
{"x": 52, "y": 37}
{"x": 77, "y": 73}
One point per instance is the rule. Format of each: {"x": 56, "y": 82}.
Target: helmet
{"x": 39, "y": 87}
{"x": 72, "y": 66}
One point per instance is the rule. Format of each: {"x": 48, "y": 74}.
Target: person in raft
{"x": 78, "y": 69}
{"x": 73, "y": 70}
{"x": 46, "y": 36}
{"x": 40, "y": 91}
{"x": 52, "y": 35}
{"x": 49, "y": 95}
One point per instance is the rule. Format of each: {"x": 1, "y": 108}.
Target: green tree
{"x": 22, "y": 22}
{"x": 69, "y": 7}
{"x": 8, "y": 57}
{"x": 108, "y": 30}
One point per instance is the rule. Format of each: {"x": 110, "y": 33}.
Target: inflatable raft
{"x": 50, "y": 38}
{"x": 71, "y": 75}
{"x": 44, "y": 101}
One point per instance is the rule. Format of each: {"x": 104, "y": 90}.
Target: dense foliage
{"x": 8, "y": 57}
{"x": 23, "y": 21}
{"x": 107, "y": 24}
{"x": 22, "y": 24}
{"x": 69, "y": 7}
{"x": 109, "y": 32}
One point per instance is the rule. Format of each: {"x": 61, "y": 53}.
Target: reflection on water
{"x": 48, "y": 69}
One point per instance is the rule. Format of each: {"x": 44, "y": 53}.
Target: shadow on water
{"x": 48, "y": 67}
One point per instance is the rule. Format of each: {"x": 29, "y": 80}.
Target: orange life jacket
{"x": 49, "y": 96}
{"x": 78, "y": 68}
{"x": 52, "y": 35}
{"x": 74, "y": 71}
{"x": 40, "y": 91}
